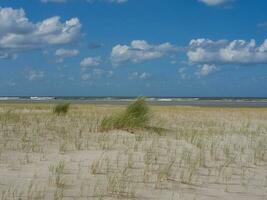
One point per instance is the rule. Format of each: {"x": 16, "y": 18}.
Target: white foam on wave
{"x": 8, "y": 98}
{"x": 42, "y": 98}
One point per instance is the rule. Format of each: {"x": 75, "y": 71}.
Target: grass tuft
{"x": 61, "y": 108}
{"x": 136, "y": 116}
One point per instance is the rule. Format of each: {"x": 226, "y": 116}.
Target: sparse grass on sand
{"x": 204, "y": 153}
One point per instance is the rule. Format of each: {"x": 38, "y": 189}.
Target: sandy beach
{"x": 133, "y": 100}
{"x": 204, "y": 153}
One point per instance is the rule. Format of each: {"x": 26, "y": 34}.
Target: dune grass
{"x": 136, "y": 116}
{"x": 61, "y": 109}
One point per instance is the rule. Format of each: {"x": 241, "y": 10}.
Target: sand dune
{"x": 206, "y": 153}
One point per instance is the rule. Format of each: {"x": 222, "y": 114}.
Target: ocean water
{"x": 150, "y": 99}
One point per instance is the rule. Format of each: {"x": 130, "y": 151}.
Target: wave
{"x": 8, "y": 98}
{"x": 129, "y": 99}
{"x": 42, "y": 98}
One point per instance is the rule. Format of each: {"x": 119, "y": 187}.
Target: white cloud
{"x": 33, "y": 75}
{"x": 98, "y": 72}
{"x": 139, "y": 51}
{"x": 95, "y": 74}
{"x": 144, "y": 75}
{"x": 215, "y": 2}
{"x": 86, "y": 76}
{"x": 66, "y": 53}
{"x": 14, "y": 21}
{"x": 183, "y": 74}
{"x": 18, "y": 33}
{"x": 207, "y": 69}
{"x": 139, "y": 76}
{"x": 90, "y": 62}
{"x": 227, "y": 52}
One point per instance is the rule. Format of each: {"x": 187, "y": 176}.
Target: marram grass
{"x": 61, "y": 108}
{"x": 136, "y": 116}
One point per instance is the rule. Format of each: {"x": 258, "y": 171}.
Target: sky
{"x": 207, "y": 48}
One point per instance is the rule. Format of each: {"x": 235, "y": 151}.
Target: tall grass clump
{"x": 136, "y": 116}
{"x": 61, "y": 108}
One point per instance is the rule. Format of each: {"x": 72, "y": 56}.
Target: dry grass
{"x": 209, "y": 153}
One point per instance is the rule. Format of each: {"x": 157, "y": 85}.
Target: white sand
{"x": 207, "y": 154}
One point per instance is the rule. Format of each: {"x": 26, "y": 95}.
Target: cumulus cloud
{"x": 227, "y": 52}
{"x": 90, "y": 62}
{"x": 206, "y": 70}
{"x": 33, "y": 75}
{"x": 65, "y": 53}
{"x": 215, "y": 2}
{"x": 139, "y": 51}
{"x": 139, "y": 76}
{"x": 18, "y": 33}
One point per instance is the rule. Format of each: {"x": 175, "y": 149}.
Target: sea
{"x": 191, "y": 101}
{"x": 131, "y": 98}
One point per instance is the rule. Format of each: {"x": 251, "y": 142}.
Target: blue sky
{"x": 133, "y": 47}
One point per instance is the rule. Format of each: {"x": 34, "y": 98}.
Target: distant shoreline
{"x": 197, "y": 103}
